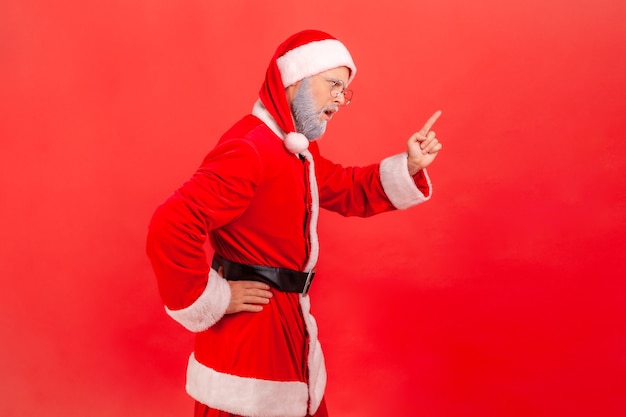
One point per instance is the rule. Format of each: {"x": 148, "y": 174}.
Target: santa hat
{"x": 302, "y": 55}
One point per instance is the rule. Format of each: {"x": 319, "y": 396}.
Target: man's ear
{"x": 290, "y": 91}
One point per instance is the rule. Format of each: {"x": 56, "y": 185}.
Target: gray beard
{"x": 305, "y": 115}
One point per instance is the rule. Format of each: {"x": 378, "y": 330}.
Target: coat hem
{"x": 245, "y": 396}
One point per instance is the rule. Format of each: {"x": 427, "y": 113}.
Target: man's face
{"x": 312, "y": 103}
{"x": 322, "y": 83}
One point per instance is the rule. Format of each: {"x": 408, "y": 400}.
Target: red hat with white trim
{"x": 302, "y": 55}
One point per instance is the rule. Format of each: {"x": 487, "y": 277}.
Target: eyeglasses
{"x": 337, "y": 88}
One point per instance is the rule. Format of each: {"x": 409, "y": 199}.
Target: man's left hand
{"x": 423, "y": 146}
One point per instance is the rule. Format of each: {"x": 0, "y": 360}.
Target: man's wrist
{"x": 413, "y": 167}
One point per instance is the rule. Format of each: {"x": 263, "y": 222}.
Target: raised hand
{"x": 423, "y": 146}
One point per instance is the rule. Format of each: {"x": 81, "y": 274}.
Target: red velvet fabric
{"x": 249, "y": 197}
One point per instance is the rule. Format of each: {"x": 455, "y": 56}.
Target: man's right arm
{"x": 195, "y": 295}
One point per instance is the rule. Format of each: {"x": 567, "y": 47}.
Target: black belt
{"x": 283, "y": 279}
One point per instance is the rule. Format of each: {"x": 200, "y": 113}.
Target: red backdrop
{"x": 502, "y": 296}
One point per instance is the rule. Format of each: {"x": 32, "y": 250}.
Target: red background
{"x": 502, "y": 296}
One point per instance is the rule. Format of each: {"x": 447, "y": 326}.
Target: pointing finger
{"x": 430, "y": 123}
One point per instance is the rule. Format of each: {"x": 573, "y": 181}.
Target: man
{"x": 256, "y": 197}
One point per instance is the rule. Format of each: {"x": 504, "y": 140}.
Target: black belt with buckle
{"x": 282, "y": 279}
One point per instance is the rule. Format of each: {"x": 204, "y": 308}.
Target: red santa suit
{"x": 256, "y": 198}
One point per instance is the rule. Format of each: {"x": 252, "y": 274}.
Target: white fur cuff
{"x": 208, "y": 308}
{"x": 398, "y": 183}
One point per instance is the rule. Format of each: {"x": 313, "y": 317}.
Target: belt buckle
{"x": 307, "y": 283}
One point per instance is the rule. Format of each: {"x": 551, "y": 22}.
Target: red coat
{"x": 256, "y": 204}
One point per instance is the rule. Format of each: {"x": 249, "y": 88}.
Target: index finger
{"x": 430, "y": 123}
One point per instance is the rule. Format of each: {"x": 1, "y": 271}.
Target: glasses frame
{"x": 334, "y": 84}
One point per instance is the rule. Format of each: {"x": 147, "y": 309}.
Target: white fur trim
{"x": 245, "y": 396}
{"x": 208, "y": 308}
{"x": 398, "y": 183}
{"x": 317, "y": 367}
{"x": 261, "y": 112}
{"x": 315, "y": 210}
{"x": 313, "y": 58}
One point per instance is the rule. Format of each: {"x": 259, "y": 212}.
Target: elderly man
{"x": 256, "y": 197}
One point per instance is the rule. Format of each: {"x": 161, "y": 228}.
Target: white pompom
{"x": 296, "y": 143}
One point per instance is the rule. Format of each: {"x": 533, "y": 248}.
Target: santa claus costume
{"x": 256, "y": 197}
